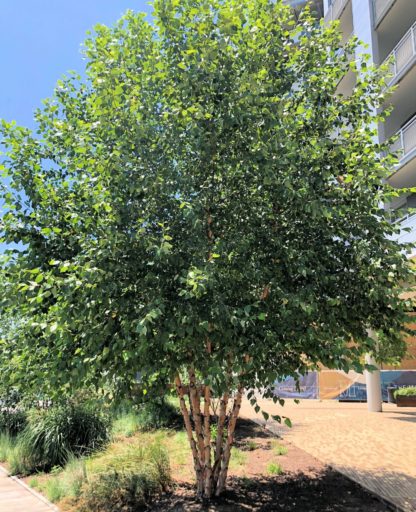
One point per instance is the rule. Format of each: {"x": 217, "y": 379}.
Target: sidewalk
{"x": 16, "y": 497}
{"x": 378, "y": 450}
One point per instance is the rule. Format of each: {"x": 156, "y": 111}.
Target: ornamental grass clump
{"x": 127, "y": 480}
{"x": 52, "y": 436}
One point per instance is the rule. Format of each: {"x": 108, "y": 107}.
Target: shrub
{"x": 158, "y": 413}
{"x": 51, "y": 436}
{"x": 12, "y": 421}
{"x": 10, "y": 399}
{"x": 408, "y": 391}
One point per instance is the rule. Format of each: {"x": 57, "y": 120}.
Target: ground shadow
{"x": 328, "y": 491}
{"x": 410, "y": 419}
{"x": 246, "y": 429}
{"x": 404, "y": 416}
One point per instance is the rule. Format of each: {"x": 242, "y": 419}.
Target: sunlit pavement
{"x": 14, "y": 497}
{"x": 378, "y": 450}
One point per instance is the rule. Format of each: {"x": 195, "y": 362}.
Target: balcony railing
{"x": 406, "y": 142}
{"x": 403, "y": 53}
{"x": 407, "y": 222}
{"x": 335, "y": 8}
{"x": 380, "y": 8}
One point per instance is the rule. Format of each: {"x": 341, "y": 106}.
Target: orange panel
{"x": 332, "y": 383}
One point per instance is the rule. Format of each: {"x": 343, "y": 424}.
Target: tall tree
{"x": 202, "y": 209}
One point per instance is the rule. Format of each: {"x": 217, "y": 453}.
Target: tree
{"x": 202, "y": 209}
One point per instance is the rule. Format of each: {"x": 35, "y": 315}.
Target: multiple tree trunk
{"x": 210, "y": 443}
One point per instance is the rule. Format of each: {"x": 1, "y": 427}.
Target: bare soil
{"x": 306, "y": 485}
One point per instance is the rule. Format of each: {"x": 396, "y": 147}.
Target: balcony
{"x": 408, "y": 231}
{"x": 406, "y": 142}
{"x": 403, "y": 55}
{"x": 380, "y": 9}
{"x": 404, "y": 174}
{"x": 335, "y": 9}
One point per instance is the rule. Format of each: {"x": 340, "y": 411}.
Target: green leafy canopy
{"x": 203, "y": 183}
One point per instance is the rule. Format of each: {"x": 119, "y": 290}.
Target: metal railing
{"x": 403, "y": 52}
{"x": 407, "y": 220}
{"x": 406, "y": 142}
{"x": 406, "y": 223}
{"x": 335, "y": 8}
{"x": 380, "y": 8}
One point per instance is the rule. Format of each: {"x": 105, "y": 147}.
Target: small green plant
{"x": 238, "y": 458}
{"x": 279, "y": 449}
{"x": 34, "y": 482}
{"x": 214, "y": 433}
{"x": 274, "y": 469}
{"x": 407, "y": 391}
{"x": 73, "y": 477}
{"x": 54, "y": 490}
{"x": 251, "y": 445}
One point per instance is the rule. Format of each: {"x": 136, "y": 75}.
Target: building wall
{"x": 388, "y": 28}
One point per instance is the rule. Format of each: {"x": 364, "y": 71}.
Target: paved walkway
{"x": 378, "y": 450}
{"x": 15, "y": 497}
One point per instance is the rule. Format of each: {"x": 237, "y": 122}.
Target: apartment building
{"x": 388, "y": 28}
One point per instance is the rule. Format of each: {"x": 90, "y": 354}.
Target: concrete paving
{"x": 17, "y": 497}
{"x": 378, "y": 450}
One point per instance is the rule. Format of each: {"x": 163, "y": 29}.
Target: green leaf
{"x": 288, "y": 422}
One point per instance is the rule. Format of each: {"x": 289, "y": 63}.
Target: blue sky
{"x": 40, "y": 40}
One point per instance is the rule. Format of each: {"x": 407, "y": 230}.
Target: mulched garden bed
{"x": 306, "y": 484}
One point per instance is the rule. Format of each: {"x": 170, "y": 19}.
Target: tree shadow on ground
{"x": 327, "y": 491}
{"x": 246, "y": 429}
{"x": 404, "y": 416}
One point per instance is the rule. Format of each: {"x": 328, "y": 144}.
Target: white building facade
{"x": 388, "y": 29}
